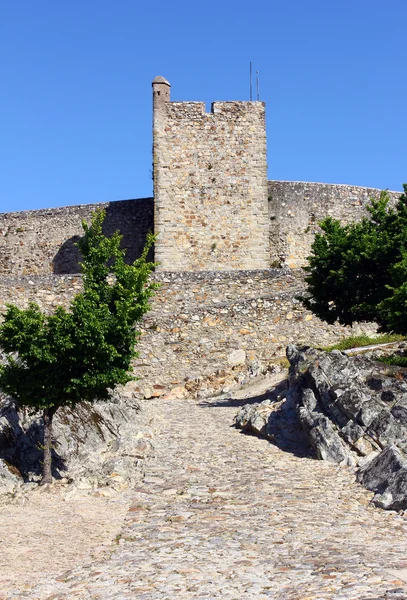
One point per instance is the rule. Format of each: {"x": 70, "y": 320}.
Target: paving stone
{"x": 224, "y": 515}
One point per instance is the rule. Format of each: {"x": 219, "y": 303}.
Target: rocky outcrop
{"x": 353, "y": 411}
{"x": 100, "y": 444}
{"x": 386, "y": 475}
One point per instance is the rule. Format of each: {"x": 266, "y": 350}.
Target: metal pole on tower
{"x": 257, "y": 86}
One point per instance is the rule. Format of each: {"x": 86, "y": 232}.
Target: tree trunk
{"x": 47, "y": 462}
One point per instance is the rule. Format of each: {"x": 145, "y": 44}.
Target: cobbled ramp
{"x": 224, "y": 515}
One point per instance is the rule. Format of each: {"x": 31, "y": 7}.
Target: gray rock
{"x": 324, "y": 438}
{"x": 352, "y": 412}
{"x": 95, "y": 443}
{"x": 255, "y": 368}
{"x": 386, "y": 475}
{"x": 253, "y": 417}
{"x": 310, "y": 402}
{"x": 352, "y": 432}
{"x": 385, "y": 429}
{"x": 399, "y": 412}
{"x": 275, "y": 419}
{"x": 10, "y": 478}
{"x": 351, "y": 408}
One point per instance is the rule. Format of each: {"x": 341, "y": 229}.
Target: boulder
{"x": 177, "y": 393}
{"x": 354, "y": 408}
{"x": 275, "y": 419}
{"x": 10, "y": 478}
{"x": 324, "y": 438}
{"x": 254, "y": 418}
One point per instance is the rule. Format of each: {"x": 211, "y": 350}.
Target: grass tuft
{"x": 364, "y": 340}
{"x": 394, "y": 360}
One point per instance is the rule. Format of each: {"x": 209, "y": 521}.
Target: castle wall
{"x": 296, "y": 207}
{"x": 43, "y": 241}
{"x": 210, "y": 185}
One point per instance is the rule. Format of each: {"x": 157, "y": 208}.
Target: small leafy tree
{"x": 358, "y": 272}
{"x": 83, "y": 352}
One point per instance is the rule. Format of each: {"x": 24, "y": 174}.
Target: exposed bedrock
{"x": 353, "y": 411}
{"x": 94, "y": 445}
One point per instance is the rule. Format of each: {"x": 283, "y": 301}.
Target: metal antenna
{"x": 257, "y": 85}
{"x": 251, "y": 87}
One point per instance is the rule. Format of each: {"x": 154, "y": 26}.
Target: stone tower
{"x": 210, "y": 184}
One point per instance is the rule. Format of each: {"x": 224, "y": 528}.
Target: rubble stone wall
{"x": 42, "y": 242}
{"x": 198, "y": 319}
{"x": 296, "y": 207}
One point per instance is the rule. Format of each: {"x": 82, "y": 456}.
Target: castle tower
{"x": 210, "y": 184}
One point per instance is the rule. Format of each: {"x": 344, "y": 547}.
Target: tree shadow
{"x": 270, "y": 394}
{"x": 235, "y": 402}
{"x": 22, "y": 447}
{"x": 132, "y": 218}
{"x": 298, "y": 448}
{"x": 283, "y": 429}
{"x": 66, "y": 261}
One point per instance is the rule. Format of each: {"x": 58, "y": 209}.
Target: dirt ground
{"x": 47, "y": 533}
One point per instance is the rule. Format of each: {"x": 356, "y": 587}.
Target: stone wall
{"x": 198, "y": 319}
{"x": 296, "y": 207}
{"x": 210, "y": 184}
{"x": 43, "y": 241}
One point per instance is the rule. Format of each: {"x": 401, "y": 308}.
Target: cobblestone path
{"x": 225, "y": 515}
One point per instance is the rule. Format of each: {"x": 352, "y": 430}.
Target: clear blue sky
{"x": 75, "y": 99}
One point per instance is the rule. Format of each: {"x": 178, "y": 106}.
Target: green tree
{"x": 81, "y": 353}
{"x": 358, "y": 272}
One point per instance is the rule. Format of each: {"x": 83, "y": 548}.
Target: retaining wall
{"x": 198, "y": 319}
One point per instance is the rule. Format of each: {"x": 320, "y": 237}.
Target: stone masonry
{"x": 296, "y": 208}
{"x": 42, "y": 242}
{"x": 198, "y": 319}
{"x": 210, "y": 184}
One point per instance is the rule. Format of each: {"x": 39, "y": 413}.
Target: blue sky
{"x": 75, "y": 99}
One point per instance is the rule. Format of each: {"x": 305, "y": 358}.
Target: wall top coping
{"x": 70, "y": 207}
{"x": 222, "y": 102}
{"x": 344, "y": 185}
{"x": 175, "y": 277}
